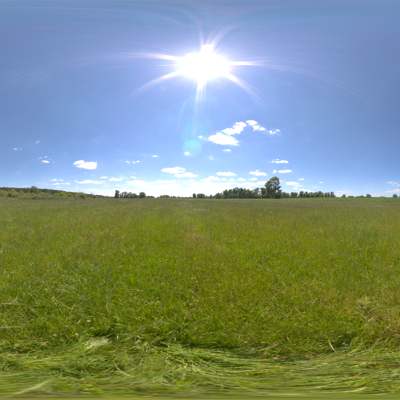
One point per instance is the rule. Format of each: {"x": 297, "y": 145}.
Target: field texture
{"x": 199, "y": 296}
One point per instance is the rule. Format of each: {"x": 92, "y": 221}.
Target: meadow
{"x": 190, "y": 296}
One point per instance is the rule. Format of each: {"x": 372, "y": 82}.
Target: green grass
{"x": 199, "y": 296}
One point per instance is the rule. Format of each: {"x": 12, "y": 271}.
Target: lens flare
{"x": 204, "y": 66}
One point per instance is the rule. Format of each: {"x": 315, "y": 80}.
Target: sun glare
{"x": 204, "y": 66}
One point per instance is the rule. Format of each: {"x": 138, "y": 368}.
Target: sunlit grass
{"x": 199, "y": 296}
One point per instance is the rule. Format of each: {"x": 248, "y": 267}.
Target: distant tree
{"x": 368, "y": 195}
{"x": 343, "y": 195}
{"x": 116, "y": 196}
{"x": 34, "y": 189}
{"x": 194, "y": 195}
{"x": 273, "y": 188}
{"x": 142, "y": 195}
{"x": 201, "y": 196}
{"x": 395, "y": 195}
{"x": 70, "y": 195}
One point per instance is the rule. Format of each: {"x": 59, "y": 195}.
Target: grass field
{"x": 199, "y": 297}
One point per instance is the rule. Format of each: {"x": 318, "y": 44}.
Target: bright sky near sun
{"x": 182, "y": 97}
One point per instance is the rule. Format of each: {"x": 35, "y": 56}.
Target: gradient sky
{"x": 317, "y": 102}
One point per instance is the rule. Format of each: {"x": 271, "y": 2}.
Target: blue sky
{"x": 304, "y": 90}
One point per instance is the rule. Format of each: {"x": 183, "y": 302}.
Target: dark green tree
{"x": 142, "y": 195}
{"x": 273, "y": 188}
{"x": 116, "y": 194}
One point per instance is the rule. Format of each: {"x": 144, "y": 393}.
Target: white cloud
{"x": 103, "y": 177}
{"x": 293, "y": 183}
{"x": 241, "y": 179}
{"x": 86, "y": 164}
{"x": 134, "y": 177}
{"x": 128, "y": 162}
{"x": 225, "y": 140}
{"x": 15, "y": 149}
{"x": 273, "y": 131}
{"x": 274, "y": 171}
{"x": 231, "y": 180}
{"x": 187, "y": 153}
{"x": 394, "y": 183}
{"x": 56, "y": 184}
{"x": 226, "y": 150}
{"x": 185, "y": 175}
{"x": 253, "y": 179}
{"x": 38, "y": 142}
{"x": 45, "y": 161}
{"x": 175, "y": 170}
{"x": 284, "y": 171}
{"x": 255, "y": 126}
{"x": 262, "y": 183}
{"x": 155, "y": 156}
{"x": 320, "y": 182}
{"x": 257, "y": 172}
{"x": 89, "y": 181}
{"x": 211, "y": 178}
{"x": 224, "y": 137}
{"x": 53, "y": 180}
{"x": 392, "y": 191}
{"x": 116, "y": 179}
{"x": 66, "y": 183}
{"x": 236, "y": 129}
{"x": 226, "y": 174}
{"x": 164, "y": 181}
{"x": 137, "y": 161}
{"x": 301, "y": 179}
{"x": 277, "y": 161}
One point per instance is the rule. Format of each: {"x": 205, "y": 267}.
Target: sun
{"x": 204, "y": 66}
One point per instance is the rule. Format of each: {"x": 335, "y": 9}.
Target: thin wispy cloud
{"x": 187, "y": 153}
{"x": 301, "y": 179}
{"x": 211, "y": 178}
{"x": 393, "y": 183}
{"x": 85, "y": 164}
{"x": 241, "y": 179}
{"x": 293, "y": 183}
{"x": 45, "y": 161}
{"x": 277, "y": 161}
{"x": 257, "y": 172}
{"x": 103, "y": 177}
{"x": 186, "y": 175}
{"x": 284, "y": 171}
{"x": 226, "y": 174}
{"x": 37, "y": 142}
{"x": 174, "y": 170}
{"x": 87, "y": 181}
{"x": 227, "y": 150}
{"x": 155, "y": 156}
{"x": 224, "y": 137}
{"x": 116, "y": 179}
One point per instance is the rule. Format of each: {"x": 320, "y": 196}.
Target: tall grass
{"x": 270, "y": 280}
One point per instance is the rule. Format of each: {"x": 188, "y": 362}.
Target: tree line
{"x": 270, "y": 190}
